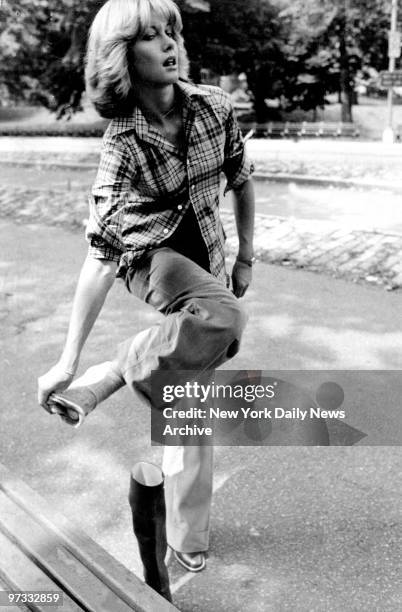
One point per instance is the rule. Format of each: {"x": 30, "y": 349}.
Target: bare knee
{"x": 215, "y": 329}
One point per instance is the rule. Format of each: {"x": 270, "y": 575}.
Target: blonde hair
{"x": 115, "y": 28}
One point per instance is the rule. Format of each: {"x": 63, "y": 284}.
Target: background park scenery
{"x": 297, "y": 60}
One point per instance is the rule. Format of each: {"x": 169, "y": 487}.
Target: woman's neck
{"x": 157, "y": 104}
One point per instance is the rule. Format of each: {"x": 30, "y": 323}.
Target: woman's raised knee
{"x": 224, "y": 318}
{"x": 236, "y": 318}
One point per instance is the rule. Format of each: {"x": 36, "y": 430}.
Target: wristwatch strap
{"x": 247, "y": 262}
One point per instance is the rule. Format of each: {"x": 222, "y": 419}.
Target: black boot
{"x": 147, "y": 501}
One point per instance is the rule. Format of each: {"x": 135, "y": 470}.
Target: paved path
{"x": 335, "y": 159}
{"x": 293, "y": 529}
{"x": 325, "y": 247}
{"x": 319, "y": 246}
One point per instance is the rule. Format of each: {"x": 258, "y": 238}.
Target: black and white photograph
{"x": 201, "y": 305}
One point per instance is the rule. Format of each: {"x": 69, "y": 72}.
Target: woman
{"x": 154, "y": 221}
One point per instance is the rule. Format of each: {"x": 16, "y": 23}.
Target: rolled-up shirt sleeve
{"x": 107, "y": 200}
{"x": 236, "y": 167}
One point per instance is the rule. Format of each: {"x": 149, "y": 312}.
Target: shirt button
{"x": 180, "y": 207}
{"x": 165, "y": 231}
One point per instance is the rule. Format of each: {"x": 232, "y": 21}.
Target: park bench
{"x": 41, "y": 552}
{"x": 335, "y": 129}
{"x": 303, "y": 129}
{"x": 243, "y": 107}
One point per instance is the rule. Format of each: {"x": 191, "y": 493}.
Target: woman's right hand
{"x": 56, "y": 379}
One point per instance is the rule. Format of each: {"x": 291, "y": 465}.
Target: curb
{"x": 49, "y": 164}
{"x": 366, "y": 256}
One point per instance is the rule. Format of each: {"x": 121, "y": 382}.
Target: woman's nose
{"x": 168, "y": 42}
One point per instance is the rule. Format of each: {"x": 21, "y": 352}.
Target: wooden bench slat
{"x": 6, "y": 587}
{"x": 77, "y": 545}
{"x": 21, "y": 574}
{"x": 49, "y": 553}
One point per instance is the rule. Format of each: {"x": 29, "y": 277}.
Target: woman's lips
{"x": 170, "y": 62}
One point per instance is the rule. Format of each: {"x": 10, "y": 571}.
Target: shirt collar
{"x": 189, "y": 90}
{"x": 137, "y": 121}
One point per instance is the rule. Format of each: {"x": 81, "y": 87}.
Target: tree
{"x": 238, "y": 36}
{"x": 42, "y": 46}
{"x": 333, "y": 39}
{"x": 292, "y": 49}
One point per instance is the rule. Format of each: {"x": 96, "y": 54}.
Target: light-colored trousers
{"x": 188, "y": 493}
{"x": 201, "y": 329}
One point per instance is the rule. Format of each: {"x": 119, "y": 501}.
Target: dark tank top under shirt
{"x": 187, "y": 240}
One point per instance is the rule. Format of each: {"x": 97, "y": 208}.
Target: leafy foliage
{"x": 42, "y": 46}
{"x": 333, "y": 39}
{"x": 238, "y": 36}
{"x": 294, "y": 50}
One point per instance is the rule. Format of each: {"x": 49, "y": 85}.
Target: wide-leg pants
{"x": 201, "y": 329}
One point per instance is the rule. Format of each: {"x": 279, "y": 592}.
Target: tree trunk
{"x": 347, "y": 97}
{"x": 346, "y": 78}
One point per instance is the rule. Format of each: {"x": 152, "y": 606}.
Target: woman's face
{"x": 154, "y": 59}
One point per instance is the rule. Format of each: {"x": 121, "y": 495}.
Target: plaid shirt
{"x": 145, "y": 185}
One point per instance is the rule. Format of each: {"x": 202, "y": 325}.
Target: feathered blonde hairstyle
{"x": 115, "y": 28}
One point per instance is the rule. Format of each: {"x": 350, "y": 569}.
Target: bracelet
{"x": 247, "y": 262}
{"x": 69, "y": 372}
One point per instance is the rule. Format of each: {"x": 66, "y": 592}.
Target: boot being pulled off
{"x": 85, "y": 393}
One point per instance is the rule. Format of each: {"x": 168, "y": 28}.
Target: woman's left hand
{"x": 241, "y": 278}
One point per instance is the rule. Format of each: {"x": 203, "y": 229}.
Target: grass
{"x": 36, "y": 121}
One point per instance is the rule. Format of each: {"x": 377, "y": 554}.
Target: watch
{"x": 247, "y": 262}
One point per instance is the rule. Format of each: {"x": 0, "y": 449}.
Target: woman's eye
{"x": 152, "y": 35}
